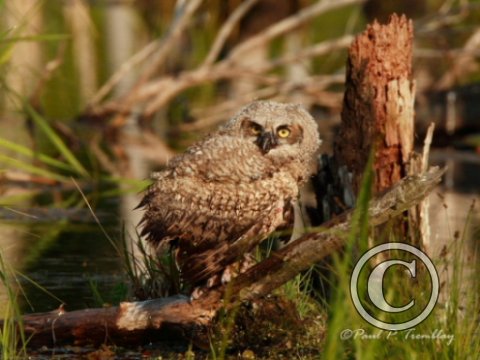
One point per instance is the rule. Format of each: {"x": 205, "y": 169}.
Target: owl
{"x": 214, "y": 203}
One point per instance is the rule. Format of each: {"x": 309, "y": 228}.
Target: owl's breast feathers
{"x": 216, "y": 202}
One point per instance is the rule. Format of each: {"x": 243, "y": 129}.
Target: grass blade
{"x": 44, "y": 37}
{"x": 31, "y": 169}
{"x": 56, "y": 141}
{"x": 23, "y": 150}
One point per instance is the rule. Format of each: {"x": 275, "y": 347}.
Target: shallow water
{"x": 73, "y": 268}
{"x": 63, "y": 262}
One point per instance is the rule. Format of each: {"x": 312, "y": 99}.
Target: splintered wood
{"x": 378, "y": 107}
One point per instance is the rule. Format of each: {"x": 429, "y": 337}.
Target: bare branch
{"x": 156, "y": 93}
{"x": 289, "y": 24}
{"x": 465, "y": 62}
{"x": 222, "y": 111}
{"x": 124, "y": 69}
{"x": 166, "y": 88}
{"x": 161, "y": 46}
{"x": 309, "y": 52}
{"x": 226, "y": 30}
{"x": 183, "y": 19}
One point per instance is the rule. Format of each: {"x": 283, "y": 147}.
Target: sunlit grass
{"x": 149, "y": 275}
{"x": 450, "y": 332}
{"x": 23, "y": 158}
{"x": 56, "y": 141}
{"x": 12, "y": 337}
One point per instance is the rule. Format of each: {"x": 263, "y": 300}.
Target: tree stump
{"x": 378, "y": 113}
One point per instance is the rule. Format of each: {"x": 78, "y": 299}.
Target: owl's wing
{"x": 215, "y": 203}
{"x": 198, "y": 267}
{"x": 211, "y": 224}
{"x": 205, "y": 213}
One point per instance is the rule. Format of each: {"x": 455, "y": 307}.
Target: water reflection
{"x": 74, "y": 262}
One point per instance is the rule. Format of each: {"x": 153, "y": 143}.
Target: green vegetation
{"x": 451, "y": 330}
{"x": 12, "y": 338}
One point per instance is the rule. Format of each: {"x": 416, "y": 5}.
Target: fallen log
{"x": 167, "y": 318}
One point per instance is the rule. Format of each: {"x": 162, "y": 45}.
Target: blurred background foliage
{"x": 56, "y": 55}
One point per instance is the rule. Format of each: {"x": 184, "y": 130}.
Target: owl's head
{"x": 282, "y": 132}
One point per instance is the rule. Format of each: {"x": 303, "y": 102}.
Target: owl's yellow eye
{"x": 283, "y": 133}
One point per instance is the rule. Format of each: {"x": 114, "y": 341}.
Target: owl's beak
{"x": 266, "y": 141}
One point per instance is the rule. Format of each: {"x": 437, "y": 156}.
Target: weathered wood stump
{"x": 378, "y": 118}
{"x": 378, "y": 113}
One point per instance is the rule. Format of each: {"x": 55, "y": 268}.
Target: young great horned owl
{"x": 228, "y": 192}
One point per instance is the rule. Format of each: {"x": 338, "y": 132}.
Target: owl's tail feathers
{"x": 199, "y": 267}
{"x": 155, "y": 235}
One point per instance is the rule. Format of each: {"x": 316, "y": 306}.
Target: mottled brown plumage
{"x": 228, "y": 192}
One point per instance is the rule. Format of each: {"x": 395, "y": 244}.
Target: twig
{"x": 226, "y": 30}
{"x": 161, "y": 46}
{"x": 47, "y": 74}
{"x": 426, "y": 146}
{"x": 184, "y": 11}
{"x": 213, "y": 115}
{"x": 423, "y": 208}
{"x": 439, "y": 21}
{"x": 289, "y": 24}
{"x": 226, "y": 69}
{"x": 124, "y": 69}
{"x": 310, "y": 52}
{"x": 464, "y": 63}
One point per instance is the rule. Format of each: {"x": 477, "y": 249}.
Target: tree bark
{"x": 378, "y": 113}
{"x": 153, "y": 320}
